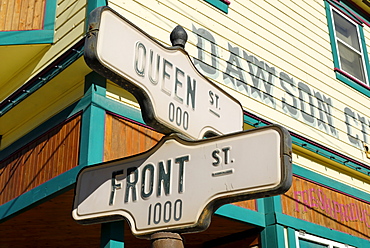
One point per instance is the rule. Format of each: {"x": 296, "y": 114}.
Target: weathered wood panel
{"x": 22, "y": 15}
{"x": 327, "y": 207}
{"x": 42, "y": 159}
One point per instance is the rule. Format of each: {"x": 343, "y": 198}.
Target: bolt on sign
{"x": 173, "y": 95}
{"x": 179, "y": 183}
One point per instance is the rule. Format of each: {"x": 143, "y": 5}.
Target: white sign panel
{"x": 173, "y": 95}
{"x": 178, "y": 184}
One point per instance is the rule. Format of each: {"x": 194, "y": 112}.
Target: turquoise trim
{"x": 219, "y": 4}
{"x": 44, "y": 36}
{"x": 112, "y": 235}
{"x": 93, "y": 123}
{"x": 118, "y": 108}
{"x": 353, "y": 84}
{"x": 331, "y": 35}
{"x": 320, "y": 231}
{"x": 273, "y": 237}
{"x": 26, "y": 37}
{"x": 272, "y": 206}
{"x": 363, "y": 89}
{"x": 291, "y": 237}
{"x": 297, "y": 170}
{"x": 91, "y": 5}
{"x": 50, "y": 14}
{"x": 241, "y": 214}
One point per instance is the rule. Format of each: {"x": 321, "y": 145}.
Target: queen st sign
{"x": 173, "y": 95}
{"x": 176, "y": 185}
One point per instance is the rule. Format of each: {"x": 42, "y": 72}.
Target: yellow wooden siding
{"x": 291, "y": 36}
{"x": 21, "y": 15}
{"x": 59, "y": 93}
{"x": 69, "y": 29}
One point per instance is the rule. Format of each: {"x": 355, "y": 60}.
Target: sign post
{"x": 178, "y": 184}
{"x": 173, "y": 95}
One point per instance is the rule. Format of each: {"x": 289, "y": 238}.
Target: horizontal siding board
{"x": 72, "y": 12}
{"x": 258, "y": 27}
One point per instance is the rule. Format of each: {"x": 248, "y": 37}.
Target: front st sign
{"x": 179, "y": 183}
{"x": 173, "y": 95}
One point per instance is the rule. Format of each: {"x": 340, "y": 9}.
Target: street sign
{"x": 173, "y": 95}
{"x": 179, "y": 183}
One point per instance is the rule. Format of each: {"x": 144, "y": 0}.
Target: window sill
{"x": 351, "y": 81}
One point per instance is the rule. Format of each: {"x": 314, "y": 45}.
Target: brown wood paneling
{"x": 42, "y": 159}
{"x": 124, "y": 138}
{"x": 250, "y": 204}
{"x": 327, "y": 207}
{"x": 21, "y": 14}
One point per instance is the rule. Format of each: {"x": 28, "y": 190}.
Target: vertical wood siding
{"x": 124, "y": 138}
{"x": 327, "y": 207}
{"x": 21, "y": 15}
{"x": 42, "y": 159}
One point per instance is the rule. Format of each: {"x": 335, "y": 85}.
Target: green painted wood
{"x": 241, "y": 214}
{"x": 112, "y": 235}
{"x": 219, "y": 4}
{"x": 320, "y": 231}
{"x": 93, "y": 123}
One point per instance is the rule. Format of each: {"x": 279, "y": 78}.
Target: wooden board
{"x": 328, "y": 207}
{"x": 21, "y": 15}
{"x": 40, "y": 160}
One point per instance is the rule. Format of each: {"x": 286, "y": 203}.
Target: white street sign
{"x": 178, "y": 184}
{"x": 173, "y": 95}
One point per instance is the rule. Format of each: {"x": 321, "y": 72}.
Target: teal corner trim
{"x": 320, "y": 231}
{"x": 291, "y": 237}
{"x": 241, "y": 214}
{"x": 112, "y": 235}
{"x": 42, "y": 36}
{"x": 93, "y": 123}
{"x": 272, "y": 205}
{"x": 221, "y": 5}
{"x": 273, "y": 237}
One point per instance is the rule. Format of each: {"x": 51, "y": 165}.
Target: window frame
{"x": 315, "y": 239}
{"x": 341, "y": 74}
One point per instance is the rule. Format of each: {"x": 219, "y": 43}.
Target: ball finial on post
{"x": 178, "y": 36}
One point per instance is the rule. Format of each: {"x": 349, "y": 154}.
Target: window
{"x": 304, "y": 240}
{"x": 348, "y": 44}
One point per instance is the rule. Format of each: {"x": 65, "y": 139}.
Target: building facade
{"x": 301, "y": 64}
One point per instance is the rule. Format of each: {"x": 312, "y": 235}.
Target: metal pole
{"x": 166, "y": 240}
